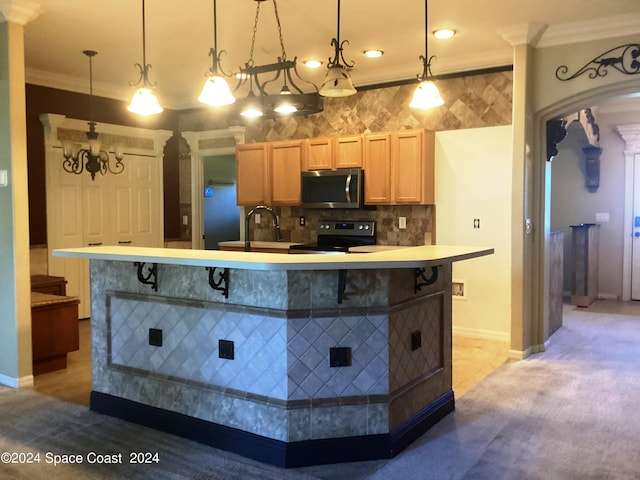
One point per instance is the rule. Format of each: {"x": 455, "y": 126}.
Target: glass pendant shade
{"x": 216, "y": 92}
{"x": 426, "y": 96}
{"x": 337, "y": 83}
{"x": 252, "y": 108}
{"x": 144, "y": 102}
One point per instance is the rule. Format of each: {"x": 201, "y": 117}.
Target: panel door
{"x": 407, "y": 165}
{"x": 285, "y": 160}
{"x": 377, "y": 165}
{"x": 252, "y": 174}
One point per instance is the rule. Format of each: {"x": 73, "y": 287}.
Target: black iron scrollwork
{"x": 625, "y": 59}
{"x": 151, "y": 278}
{"x": 422, "y": 280}
{"x": 222, "y": 284}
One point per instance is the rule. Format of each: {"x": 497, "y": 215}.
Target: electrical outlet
{"x": 302, "y": 221}
{"x": 4, "y": 180}
{"x": 185, "y": 220}
{"x": 476, "y": 223}
{"x": 256, "y": 216}
{"x": 402, "y": 222}
{"x": 416, "y": 340}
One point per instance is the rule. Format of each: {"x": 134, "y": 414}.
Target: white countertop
{"x": 407, "y": 257}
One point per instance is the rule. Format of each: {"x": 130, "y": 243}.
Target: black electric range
{"x": 339, "y": 236}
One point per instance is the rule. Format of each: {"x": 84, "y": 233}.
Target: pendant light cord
{"x": 144, "y": 40}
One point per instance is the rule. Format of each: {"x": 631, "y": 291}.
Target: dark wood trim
{"x": 276, "y": 452}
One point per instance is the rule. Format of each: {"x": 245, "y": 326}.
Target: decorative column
{"x": 15, "y": 296}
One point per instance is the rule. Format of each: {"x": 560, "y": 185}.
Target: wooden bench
{"x": 54, "y": 330}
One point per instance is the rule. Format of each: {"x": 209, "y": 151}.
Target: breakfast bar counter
{"x": 288, "y": 359}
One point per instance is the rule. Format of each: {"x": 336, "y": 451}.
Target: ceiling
{"x": 178, "y": 38}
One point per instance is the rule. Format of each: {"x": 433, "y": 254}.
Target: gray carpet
{"x": 568, "y": 413}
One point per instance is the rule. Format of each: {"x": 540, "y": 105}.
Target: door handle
{"x": 347, "y": 188}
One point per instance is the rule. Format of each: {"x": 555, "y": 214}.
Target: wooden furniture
{"x": 48, "y": 284}
{"x": 54, "y": 331}
{"x": 399, "y": 167}
{"x": 585, "y": 264}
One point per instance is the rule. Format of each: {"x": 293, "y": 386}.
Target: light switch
{"x": 602, "y": 217}
{"x": 4, "y": 178}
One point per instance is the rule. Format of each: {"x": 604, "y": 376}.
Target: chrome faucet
{"x": 247, "y": 242}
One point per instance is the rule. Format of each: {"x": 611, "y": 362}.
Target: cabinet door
{"x": 407, "y": 167}
{"x": 319, "y": 154}
{"x": 413, "y": 167}
{"x": 377, "y": 165}
{"x": 348, "y": 152}
{"x": 286, "y": 159}
{"x": 252, "y": 174}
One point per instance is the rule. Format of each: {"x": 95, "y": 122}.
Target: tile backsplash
{"x": 419, "y": 231}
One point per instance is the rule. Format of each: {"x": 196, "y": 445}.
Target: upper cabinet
{"x": 399, "y": 167}
{"x": 269, "y": 173}
{"x": 331, "y": 153}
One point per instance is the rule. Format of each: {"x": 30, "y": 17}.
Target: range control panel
{"x": 364, "y": 228}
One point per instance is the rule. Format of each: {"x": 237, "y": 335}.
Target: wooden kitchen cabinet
{"x": 399, "y": 167}
{"x": 286, "y": 159}
{"x": 269, "y": 173}
{"x": 252, "y": 174}
{"x": 331, "y": 153}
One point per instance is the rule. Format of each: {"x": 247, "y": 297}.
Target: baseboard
{"x": 520, "y": 354}
{"x": 16, "y": 382}
{"x": 276, "y": 452}
{"x": 478, "y": 333}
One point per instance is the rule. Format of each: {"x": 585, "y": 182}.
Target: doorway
{"x": 221, "y": 214}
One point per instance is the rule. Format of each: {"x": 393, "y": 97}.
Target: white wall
{"x": 473, "y": 180}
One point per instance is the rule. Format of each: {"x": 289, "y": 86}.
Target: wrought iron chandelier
{"x": 144, "y": 101}
{"x": 94, "y": 159}
{"x": 338, "y": 82}
{"x": 426, "y": 94}
{"x": 290, "y": 99}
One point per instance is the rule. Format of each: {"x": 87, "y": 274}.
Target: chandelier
{"x": 338, "y": 83}
{"x": 144, "y": 101}
{"x": 426, "y": 94}
{"x": 95, "y": 159}
{"x": 264, "y": 102}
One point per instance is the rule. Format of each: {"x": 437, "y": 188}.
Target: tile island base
{"x": 284, "y": 369}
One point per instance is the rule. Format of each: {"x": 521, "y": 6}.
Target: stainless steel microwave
{"x": 342, "y": 188}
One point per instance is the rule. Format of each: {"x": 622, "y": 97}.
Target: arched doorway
{"x": 541, "y": 179}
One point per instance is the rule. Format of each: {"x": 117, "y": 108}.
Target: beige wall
{"x": 473, "y": 174}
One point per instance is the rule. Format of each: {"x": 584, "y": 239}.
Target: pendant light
{"x": 338, "y": 83}
{"x": 426, "y": 94}
{"x": 94, "y": 159}
{"x": 216, "y": 91}
{"x": 144, "y": 101}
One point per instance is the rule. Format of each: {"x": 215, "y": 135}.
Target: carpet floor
{"x": 568, "y": 413}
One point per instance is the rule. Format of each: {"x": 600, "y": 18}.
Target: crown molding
{"x": 578, "y": 32}
{"x": 19, "y": 11}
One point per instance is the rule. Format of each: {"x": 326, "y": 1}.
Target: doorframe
{"x": 631, "y": 136}
{"x": 207, "y": 144}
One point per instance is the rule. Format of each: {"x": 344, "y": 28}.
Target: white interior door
{"x": 635, "y": 243}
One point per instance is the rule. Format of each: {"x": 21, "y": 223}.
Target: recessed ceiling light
{"x": 373, "y": 53}
{"x": 313, "y": 64}
{"x": 444, "y": 33}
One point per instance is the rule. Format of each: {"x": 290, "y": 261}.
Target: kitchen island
{"x": 289, "y": 359}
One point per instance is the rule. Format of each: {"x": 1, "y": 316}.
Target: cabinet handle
{"x": 95, "y": 244}
{"x": 124, "y": 242}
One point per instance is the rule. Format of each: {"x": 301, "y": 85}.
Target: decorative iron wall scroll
{"x": 625, "y": 59}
